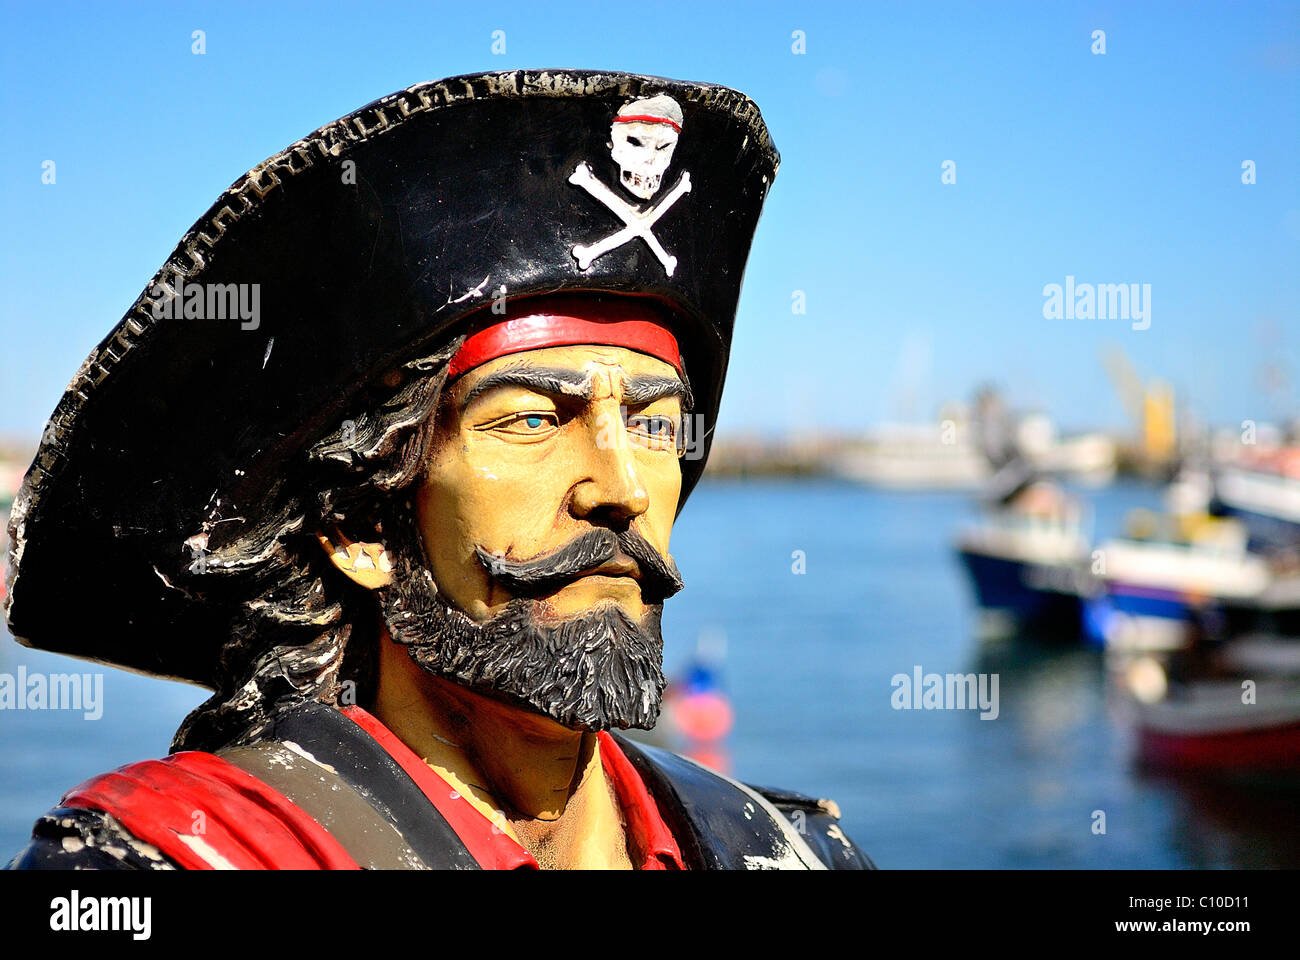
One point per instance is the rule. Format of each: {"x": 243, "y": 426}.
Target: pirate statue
{"x": 388, "y": 455}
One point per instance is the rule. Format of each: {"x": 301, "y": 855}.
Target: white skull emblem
{"x": 642, "y": 139}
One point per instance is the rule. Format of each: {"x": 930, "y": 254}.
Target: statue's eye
{"x": 658, "y": 433}
{"x": 532, "y": 425}
{"x": 634, "y": 141}
{"x": 663, "y": 146}
{"x": 534, "y": 422}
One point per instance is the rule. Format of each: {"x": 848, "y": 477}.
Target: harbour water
{"x": 810, "y": 658}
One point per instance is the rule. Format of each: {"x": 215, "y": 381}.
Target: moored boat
{"x": 1263, "y": 492}
{"x": 1219, "y": 725}
{"x": 1172, "y": 575}
{"x": 1029, "y": 564}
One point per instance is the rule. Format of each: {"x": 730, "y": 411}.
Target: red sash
{"x": 205, "y": 813}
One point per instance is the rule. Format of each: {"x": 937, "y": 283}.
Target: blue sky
{"x": 1115, "y": 168}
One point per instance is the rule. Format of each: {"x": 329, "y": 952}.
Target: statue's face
{"x": 531, "y": 451}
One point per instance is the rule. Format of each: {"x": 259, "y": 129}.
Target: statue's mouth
{"x": 620, "y": 566}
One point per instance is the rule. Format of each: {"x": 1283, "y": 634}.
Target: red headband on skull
{"x": 648, "y": 118}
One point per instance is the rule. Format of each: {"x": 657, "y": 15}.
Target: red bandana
{"x": 567, "y": 321}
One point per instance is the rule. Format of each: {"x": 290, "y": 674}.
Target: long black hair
{"x": 298, "y": 628}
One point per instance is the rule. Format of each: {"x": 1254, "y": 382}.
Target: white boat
{"x": 1264, "y": 493}
{"x": 926, "y": 456}
{"x": 1173, "y": 575}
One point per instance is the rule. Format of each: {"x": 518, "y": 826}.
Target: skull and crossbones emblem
{"x": 643, "y": 136}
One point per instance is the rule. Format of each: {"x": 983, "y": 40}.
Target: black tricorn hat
{"x": 362, "y": 245}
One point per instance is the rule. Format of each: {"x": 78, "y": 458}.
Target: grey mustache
{"x": 539, "y": 575}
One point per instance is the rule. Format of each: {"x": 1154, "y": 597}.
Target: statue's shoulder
{"x": 140, "y": 816}
{"x": 725, "y": 824}
{"x": 75, "y": 838}
{"x": 309, "y": 789}
{"x": 818, "y": 821}
{"x": 191, "y": 810}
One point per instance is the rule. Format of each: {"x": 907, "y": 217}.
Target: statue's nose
{"x": 611, "y": 486}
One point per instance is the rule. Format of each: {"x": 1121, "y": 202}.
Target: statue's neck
{"x": 520, "y": 769}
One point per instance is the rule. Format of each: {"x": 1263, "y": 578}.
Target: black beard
{"x": 598, "y": 670}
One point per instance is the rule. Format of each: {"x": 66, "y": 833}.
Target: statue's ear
{"x": 366, "y": 564}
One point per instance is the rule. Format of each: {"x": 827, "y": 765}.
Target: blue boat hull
{"x": 1014, "y": 587}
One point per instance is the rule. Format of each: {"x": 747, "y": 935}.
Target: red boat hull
{"x": 1266, "y": 749}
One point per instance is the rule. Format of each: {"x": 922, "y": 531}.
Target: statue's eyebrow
{"x": 646, "y": 388}
{"x": 552, "y": 380}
